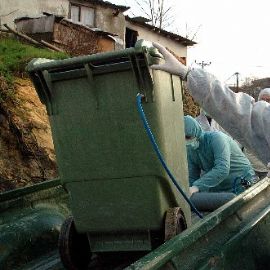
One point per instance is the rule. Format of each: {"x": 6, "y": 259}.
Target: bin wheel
{"x": 73, "y": 247}
{"x": 175, "y": 222}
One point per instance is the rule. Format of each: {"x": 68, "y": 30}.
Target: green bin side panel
{"x": 98, "y": 135}
{"x": 98, "y": 130}
{"x": 110, "y": 141}
{"x": 130, "y": 204}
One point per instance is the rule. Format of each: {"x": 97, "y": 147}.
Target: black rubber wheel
{"x": 175, "y": 222}
{"x": 74, "y": 248}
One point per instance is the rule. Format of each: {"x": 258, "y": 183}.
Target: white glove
{"x": 171, "y": 65}
{"x": 268, "y": 166}
{"x": 193, "y": 189}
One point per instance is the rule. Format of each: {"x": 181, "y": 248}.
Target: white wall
{"x": 104, "y": 18}
{"x": 20, "y": 8}
{"x": 146, "y": 34}
{"x": 113, "y": 24}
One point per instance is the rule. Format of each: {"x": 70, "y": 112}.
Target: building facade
{"x": 97, "y": 15}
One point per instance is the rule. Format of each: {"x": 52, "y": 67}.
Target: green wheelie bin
{"x": 120, "y": 195}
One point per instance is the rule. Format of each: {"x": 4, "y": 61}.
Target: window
{"x": 85, "y": 15}
{"x": 75, "y": 13}
{"x": 131, "y": 37}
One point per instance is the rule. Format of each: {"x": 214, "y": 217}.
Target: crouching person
{"x": 215, "y": 161}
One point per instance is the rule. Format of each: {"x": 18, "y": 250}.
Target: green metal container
{"x": 30, "y": 221}
{"x": 119, "y": 192}
{"x": 235, "y": 236}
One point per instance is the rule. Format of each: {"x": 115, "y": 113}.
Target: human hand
{"x": 193, "y": 189}
{"x": 171, "y": 65}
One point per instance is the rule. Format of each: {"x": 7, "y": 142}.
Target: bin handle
{"x": 161, "y": 159}
{"x": 46, "y": 91}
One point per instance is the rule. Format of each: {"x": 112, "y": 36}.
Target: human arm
{"x": 193, "y": 190}
{"x": 194, "y": 173}
{"x": 194, "y": 170}
{"x": 219, "y": 148}
{"x": 171, "y": 64}
{"x": 244, "y": 119}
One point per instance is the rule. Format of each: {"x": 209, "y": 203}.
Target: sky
{"x": 233, "y": 35}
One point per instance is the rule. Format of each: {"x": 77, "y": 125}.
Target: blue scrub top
{"x": 219, "y": 157}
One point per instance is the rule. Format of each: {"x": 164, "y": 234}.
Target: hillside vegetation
{"x": 15, "y": 55}
{"x": 26, "y": 148}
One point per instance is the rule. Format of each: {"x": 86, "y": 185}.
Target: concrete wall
{"x": 144, "y": 33}
{"x": 20, "y": 8}
{"x": 107, "y": 21}
{"x": 37, "y": 25}
{"x": 104, "y": 17}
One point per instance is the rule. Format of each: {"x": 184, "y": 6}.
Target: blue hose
{"x": 153, "y": 141}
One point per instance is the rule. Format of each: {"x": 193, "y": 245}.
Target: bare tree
{"x": 159, "y": 12}
{"x": 192, "y": 33}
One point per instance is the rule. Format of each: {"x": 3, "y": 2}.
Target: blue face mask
{"x": 193, "y": 143}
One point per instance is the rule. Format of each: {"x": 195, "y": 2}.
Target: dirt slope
{"x": 26, "y": 147}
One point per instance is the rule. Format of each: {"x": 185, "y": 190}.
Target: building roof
{"x": 38, "y": 25}
{"x": 108, "y": 4}
{"x": 43, "y": 15}
{"x": 68, "y": 22}
{"x": 142, "y": 22}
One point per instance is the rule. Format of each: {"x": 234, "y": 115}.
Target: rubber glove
{"x": 268, "y": 166}
{"x": 193, "y": 189}
{"x": 171, "y": 65}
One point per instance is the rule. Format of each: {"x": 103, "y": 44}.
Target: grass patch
{"x": 14, "y": 56}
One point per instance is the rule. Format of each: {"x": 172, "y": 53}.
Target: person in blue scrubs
{"x": 215, "y": 161}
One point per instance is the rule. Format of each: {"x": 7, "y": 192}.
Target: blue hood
{"x": 192, "y": 127}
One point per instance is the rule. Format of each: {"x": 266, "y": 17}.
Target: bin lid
{"x": 141, "y": 47}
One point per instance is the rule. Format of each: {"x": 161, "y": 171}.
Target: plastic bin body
{"x": 116, "y": 183}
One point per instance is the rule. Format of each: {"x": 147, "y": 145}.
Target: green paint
{"x": 105, "y": 158}
{"x": 236, "y": 236}
{"x": 118, "y": 192}
{"x": 30, "y": 221}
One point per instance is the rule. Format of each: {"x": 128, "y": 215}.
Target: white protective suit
{"x": 246, "y": 120}
{"x": 257, "y": 165}
{"x": 206, "y": 126}
{"x": 238, "y": 113}
{"x": 265, "y": 93}
{"x": 214, "y": 126}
